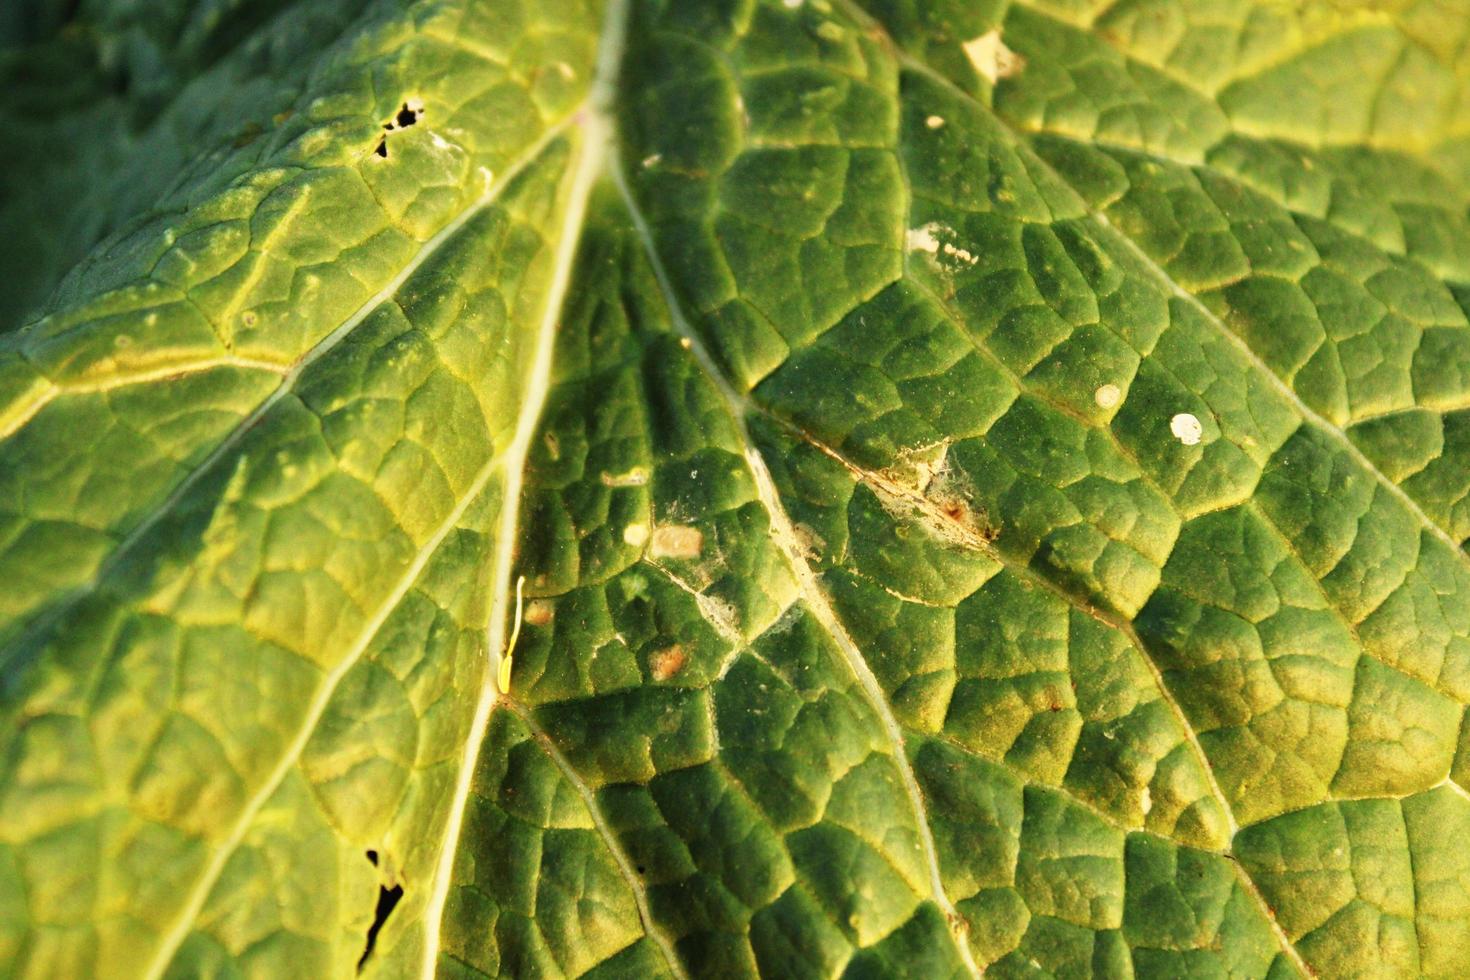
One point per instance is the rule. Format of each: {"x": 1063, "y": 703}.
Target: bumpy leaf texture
{"x": 716, "y": 488}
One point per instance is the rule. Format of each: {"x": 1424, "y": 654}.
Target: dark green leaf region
{"x": 625, "y": 489}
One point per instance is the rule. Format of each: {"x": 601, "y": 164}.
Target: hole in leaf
{"x": 641, "y": 869}
{"x": 407, "y": 116}
{"x": 372, "y": 857}
{"x": 388, "y": 899}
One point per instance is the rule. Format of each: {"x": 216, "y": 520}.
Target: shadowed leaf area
{"x": 732, "y": 488}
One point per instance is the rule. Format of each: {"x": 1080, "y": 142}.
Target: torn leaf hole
{"x": 388, "y": 899}
{"x": 406, "y": 116}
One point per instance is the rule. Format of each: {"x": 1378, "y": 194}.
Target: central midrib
{"x": 595, "y": 120}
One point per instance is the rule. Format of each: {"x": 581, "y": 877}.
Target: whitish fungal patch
{"x": 1107, "y": 396}
{"x": 923, "y": 240}
{"x": 926, "y": 239}
{"x": 677, "y": 541}
{"x": 992, "y": 58}
{"x": 635, "y": 534}
{"x": 1186, "y": 429}
{"x": 1146, "y": 802}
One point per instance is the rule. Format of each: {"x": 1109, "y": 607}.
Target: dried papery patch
{"x": 991, "y": 58}
{"x": 677, "y": 541}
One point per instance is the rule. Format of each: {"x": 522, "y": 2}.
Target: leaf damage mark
{"x": 389, "y": 895}
{"x": 407, "y": 115}
{"x": 677, "y": 541}
{"x": 922, "y": 239}
{"x": 664, "y": 664}
{"x": 635, "y": 477}
{"x": 990, "y": 57}
{"x": 926, "y": 238}
{"x": 924, "y": 487}
{"x": 1187, "y": 428}
{"x": 539, "y": 612}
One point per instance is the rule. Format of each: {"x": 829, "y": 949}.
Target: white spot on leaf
{"x": 1186, "y": 429}
{"x": 635, "y": 534}
{"x": 636, "y": 477}
{"x": 992, "y": 58}
{"x": 934, "y": 122}
{"x": 964, "y": 255}
{"x": 923, "y": 240}
{"x": 1107, "y": 396}
{"x": 926, "y": 239}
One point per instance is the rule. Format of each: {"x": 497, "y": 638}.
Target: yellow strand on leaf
{"x": 515, "y": 634}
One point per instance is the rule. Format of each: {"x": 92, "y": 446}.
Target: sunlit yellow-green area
{"x": 732, "y": 488}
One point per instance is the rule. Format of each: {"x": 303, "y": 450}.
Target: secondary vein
{"x": 786, "y": 539}
{"x": 37, "y": 627}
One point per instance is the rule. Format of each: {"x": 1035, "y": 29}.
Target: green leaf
{"x": 730, "y": 488}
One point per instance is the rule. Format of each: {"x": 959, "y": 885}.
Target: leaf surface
{"x": 951, "y": 488}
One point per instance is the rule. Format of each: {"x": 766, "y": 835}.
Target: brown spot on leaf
{"x": 539, "y": 612}
{"x": 666, "y": 663}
